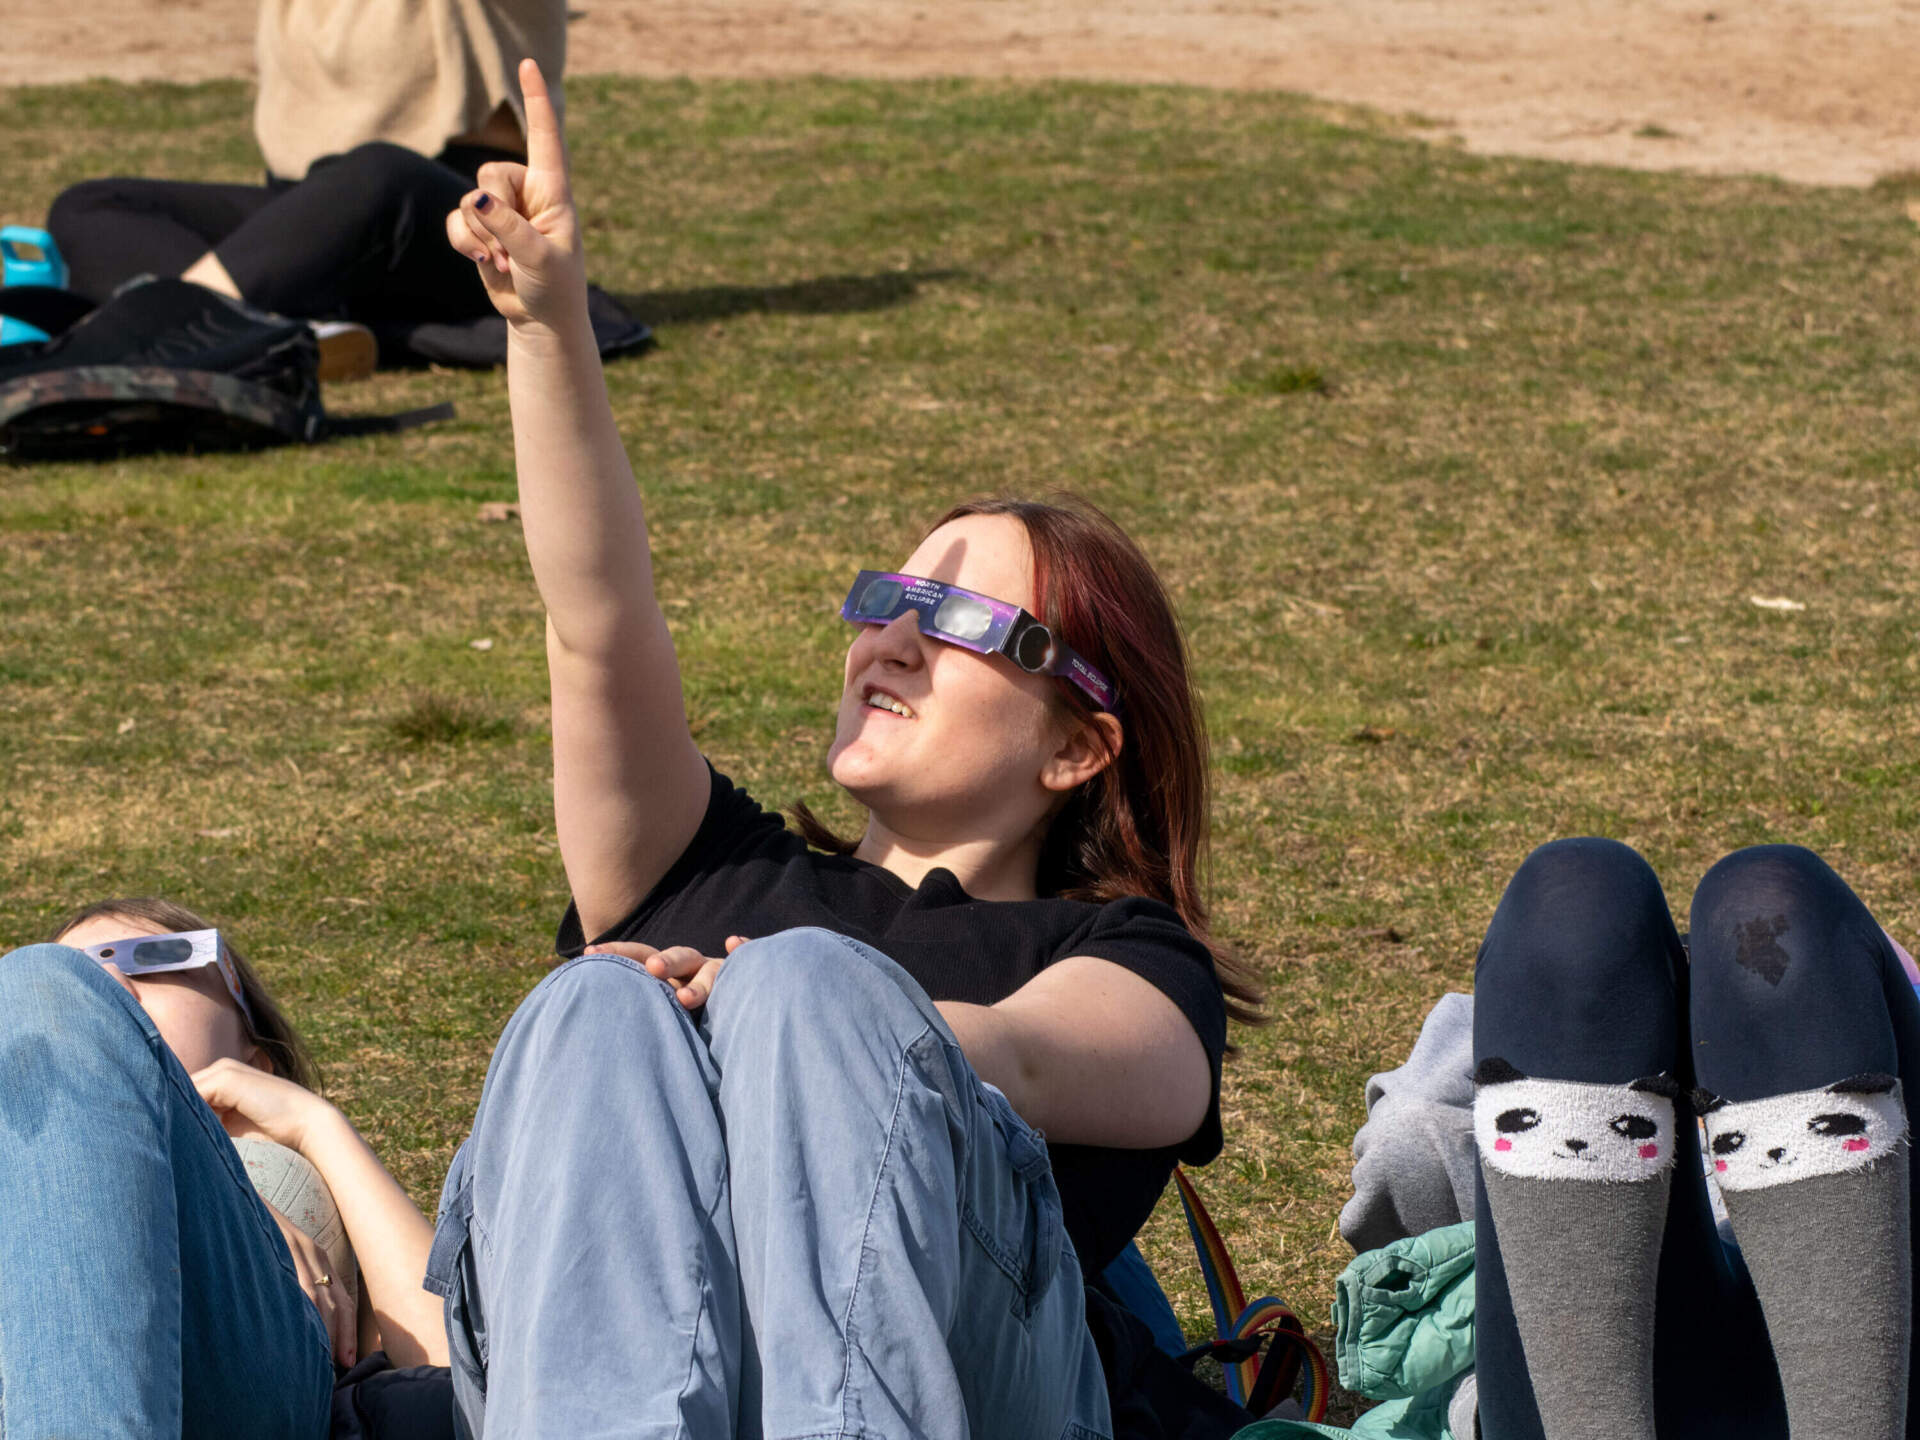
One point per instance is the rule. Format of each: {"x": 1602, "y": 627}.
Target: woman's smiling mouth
{"x": 878, "y": 699}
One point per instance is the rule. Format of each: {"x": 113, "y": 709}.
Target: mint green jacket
{"x": 1403, "y": 1322}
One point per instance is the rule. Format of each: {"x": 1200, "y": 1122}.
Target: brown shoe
{"x": 347, "y": 351}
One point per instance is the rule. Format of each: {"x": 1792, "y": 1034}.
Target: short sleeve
{"x": 1150, "y": 939}
{"x": 733, "y": 821}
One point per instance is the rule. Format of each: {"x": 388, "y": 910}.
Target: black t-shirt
{"x": 745, "y": 873}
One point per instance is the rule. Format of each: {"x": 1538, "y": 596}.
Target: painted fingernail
{"x": 482, "y": 200}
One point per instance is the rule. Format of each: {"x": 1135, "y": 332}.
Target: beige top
{"x": 287, "y": 1181}
{"x": 337, "y": 73}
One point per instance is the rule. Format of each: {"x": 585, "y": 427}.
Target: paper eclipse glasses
{"x": 974, "y": 622}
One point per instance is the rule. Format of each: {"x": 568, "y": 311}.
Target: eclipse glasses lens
{"x": 963, "y": 617}
{"x": 879, "y": 598}
{"x": 162, "y": 952}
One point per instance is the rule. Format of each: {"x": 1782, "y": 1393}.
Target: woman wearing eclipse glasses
{"x": 766, "y": 1159}
{"x": 145, "y": 1288}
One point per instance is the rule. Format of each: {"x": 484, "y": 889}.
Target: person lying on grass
{"x": 146, "y": 1289}
{"x": 1787, "y": 1027}
{"x": 794, "y": 1184}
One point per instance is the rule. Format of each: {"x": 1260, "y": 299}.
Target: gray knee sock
{"x": 1463, "y": 1411}
{"x": 1816, "y": 1187}
{"x": 1577, "y": 1179}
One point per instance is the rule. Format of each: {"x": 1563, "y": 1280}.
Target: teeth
{"x": 883, "y": 702}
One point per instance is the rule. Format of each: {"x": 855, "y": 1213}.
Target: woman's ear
{"x": 259, "y": 1059}
{"x": 1085, "y": 750}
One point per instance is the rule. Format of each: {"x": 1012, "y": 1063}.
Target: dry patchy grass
{"x": 1465, "y": 473}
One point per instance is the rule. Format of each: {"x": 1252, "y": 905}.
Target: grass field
{"x": 1465, "y": 473}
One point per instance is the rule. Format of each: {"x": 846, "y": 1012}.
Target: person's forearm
{"x": 391, "y": 1240}
{"x": 580, "y": 511}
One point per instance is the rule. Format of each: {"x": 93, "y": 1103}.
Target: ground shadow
{"x": 825, "y": 295}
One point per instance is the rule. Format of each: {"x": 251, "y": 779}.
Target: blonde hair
{"x": 270, "y": 1030}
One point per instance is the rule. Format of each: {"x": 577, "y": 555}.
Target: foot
{"x": 347, "y": 351}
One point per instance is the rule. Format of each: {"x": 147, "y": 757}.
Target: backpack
{"x": 164, "y": 365}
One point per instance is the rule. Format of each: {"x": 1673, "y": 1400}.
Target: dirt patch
{"x": 1805, "y": 89}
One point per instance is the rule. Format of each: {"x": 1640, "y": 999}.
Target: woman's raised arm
{"x": 629, "y": 785}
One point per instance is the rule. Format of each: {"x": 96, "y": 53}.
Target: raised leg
{"x": 1806, "y": 1037}
{"x": 144, "y": 1290}
{"x": 902, "y": 1254}
{"x": 801, "y": 1216}
{"x": 1605, "y": 1299}
{"x": 361, "y": 237}
{"x": 111, "y": 230}
{"x": 585, "y": 1243}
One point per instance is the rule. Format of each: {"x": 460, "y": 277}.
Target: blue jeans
{"x": 797, "y": 1214}
{"x": 144, "y": 1290}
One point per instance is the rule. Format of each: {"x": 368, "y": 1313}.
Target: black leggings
{"x": 1583, "y": 978}
{"x": 361, "y": 238}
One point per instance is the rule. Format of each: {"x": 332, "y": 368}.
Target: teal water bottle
{"x": 28, "y": 256}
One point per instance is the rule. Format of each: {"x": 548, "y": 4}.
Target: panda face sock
{"x": 1816, "y": 1185}
{"x": 1577, "y": 1179}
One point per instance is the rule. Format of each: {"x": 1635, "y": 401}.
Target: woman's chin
{"x": 856, "y": 769}
{"x": 851, "y": 769}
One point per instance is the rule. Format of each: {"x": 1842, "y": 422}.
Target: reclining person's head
{"x": 195, "y": 1010}
{"x": 1072, "y": 723}
{"x": 1072, "y": 719}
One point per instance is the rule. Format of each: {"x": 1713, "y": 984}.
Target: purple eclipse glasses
{"x": 974, "y": 622}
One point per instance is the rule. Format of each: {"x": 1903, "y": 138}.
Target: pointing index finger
{"x": 546, "y": 150}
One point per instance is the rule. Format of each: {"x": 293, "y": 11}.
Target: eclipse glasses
{"x": 974, "y": 622}
{"x": 180, "y": 950}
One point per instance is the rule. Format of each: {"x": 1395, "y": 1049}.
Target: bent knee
{"x": 1794, "y": 982}
{"x": 376, "y": 167}
{"x": 1769, "y": 879}
{"x": 77, "y": 203}
{"x": 777, "y": 974}
{"x": 1578, "y": 976}
{"x": 1779, "y": 912}
{"x": 55, "y": 988}
{"x": 1585, "y": 880}
{"x": 82, "y": 196}
{"x": 823, "y": 973}
{"x": 596, "y": 990}
{"x": 1589, "y": 910}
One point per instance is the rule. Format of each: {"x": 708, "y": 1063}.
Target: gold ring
{"x": 324, "y": 1280}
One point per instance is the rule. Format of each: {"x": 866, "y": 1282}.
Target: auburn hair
{"x": 1139, "y": 827}
{"x": 270, "y": 1030}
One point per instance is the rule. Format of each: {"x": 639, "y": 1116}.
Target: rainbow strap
{"x": 1255, "y": 1384}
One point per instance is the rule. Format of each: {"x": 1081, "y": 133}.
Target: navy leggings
{"x": 362, "y": 237}
{"x": 1583, "y": 978}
